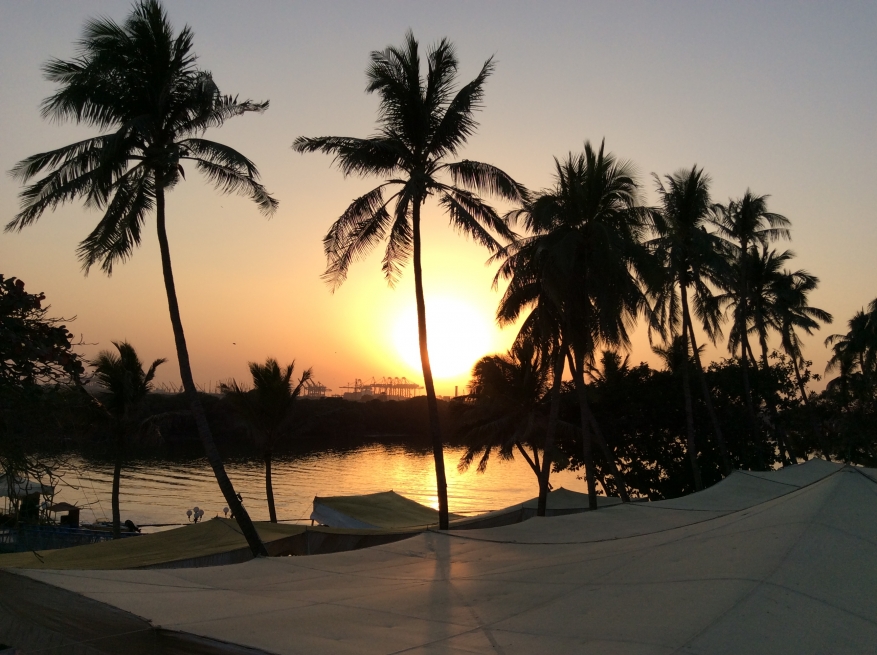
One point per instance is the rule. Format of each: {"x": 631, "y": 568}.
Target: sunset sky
{"x": 781, "y": 98}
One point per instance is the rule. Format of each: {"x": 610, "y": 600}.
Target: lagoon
{"x": 156, "y": 493}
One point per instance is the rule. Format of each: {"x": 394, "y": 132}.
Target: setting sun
{"x": 458, "y": 335}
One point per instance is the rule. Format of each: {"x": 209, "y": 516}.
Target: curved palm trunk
{"x": 707, "y": 396}
{"x": 689, "y": 418}
{"x": 117, "y": 477}
{"x": 553, "y": 415}
{"x": 431, "y": 403}
{"x": 225, "y": 485}
{"x": 269, "y": 489}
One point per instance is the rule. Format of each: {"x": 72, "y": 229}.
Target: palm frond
{"x": 118, "y": 233}
{"x": 374, "y": 156}
{"x": 485, "y": 178}
{"x": 355, "y": 233}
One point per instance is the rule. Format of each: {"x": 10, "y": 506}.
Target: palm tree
{"x": 504, "y": 411}
{"x": 540, "y": 331}
{"x": 766, "y": 276}
{"x": 138, "y": 84}
{"x": 791, "y": 311}
{"x": 267, "y": 409}
{"x": 741, "y": 224}
{"x": 423, "y": 120}
{"x": 580, "y": 266}
{"x": 854, "y": 354}
{"x": 691, "y": 259}
{"x": 125, "y": 384}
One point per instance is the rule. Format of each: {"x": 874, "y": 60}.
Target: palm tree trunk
{"x": 705, "y": 390}
{"x": 747, "y": 388}
{"x": 587, "y": 440}
{"x": 117, "y": 477}
{"x": 225, "y": 485}
{"x": 269, "y": 489}
{"x": 553, "y": 415}
{"x": 431, "y": 403}
{"x": 689, "y": 417}
{"x": 817, "y": 433}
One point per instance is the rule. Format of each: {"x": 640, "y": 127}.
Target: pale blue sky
{"x": 778, "y": 97}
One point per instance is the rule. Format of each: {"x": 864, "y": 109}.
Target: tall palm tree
{"x": 766, "y": 275}
{"x": 423, "y": 120}
{"x": 792, "y": 311}
{"x": 691, "y": 259}
{"x": 741, "y": 224}
{"x": 267, "y": 408}
{"x": 580, "y": 266}
{"x": 125, "y": 385}
{"x": 137, "y": 83}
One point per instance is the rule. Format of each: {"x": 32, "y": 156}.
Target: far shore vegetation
{"x": 580, "y": 264}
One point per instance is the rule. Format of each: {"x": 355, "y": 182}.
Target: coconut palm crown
{"x": 423, "y": 119}
{"x": 578, "y": 273}
{"x": 137, "y": 83}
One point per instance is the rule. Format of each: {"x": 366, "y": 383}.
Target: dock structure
{"x": 314, "y": 390}
{"x": 387, "y": 388}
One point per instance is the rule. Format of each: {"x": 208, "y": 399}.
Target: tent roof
{"x": 385, "y": 509}
{"x": 391, "y": 511}
{"x": 775, "y": 563}
{"x": 196, "y": 540}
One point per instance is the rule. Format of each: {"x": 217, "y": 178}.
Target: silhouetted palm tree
{"x": 267, "y": 408}
{"x": 138, "y": 84}
{"x": 791, "y": 311}
{"x": 505, "y": 411}
{"x": 540, "y": 330}
{"x": 741, "y": 224}
{"x": 692, "y": 259}
{"x": 854, "y": 354}
{"x": 423, "y": 120}
{"x": 766, "y": 276}
{"x": 580, "y": 267}
{"x": 125, "y": 384}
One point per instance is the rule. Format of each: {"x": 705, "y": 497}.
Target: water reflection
{"x": 160, "y": 492}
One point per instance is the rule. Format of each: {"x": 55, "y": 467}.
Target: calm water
{"x": 160, "y": 492}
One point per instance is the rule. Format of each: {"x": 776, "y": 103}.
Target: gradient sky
{"x": 778, "y": 97}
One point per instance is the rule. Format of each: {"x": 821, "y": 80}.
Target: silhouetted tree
{"x": 125, "y": 385}
{"x": 267, "y": 409}
{"x": 741, "y": 224}
{"x": 423, "y": 120}
{"x": 691, "y": 259}
{"x": 580, "y": 265}
{"x": 505, "y": 411}
{"x": 138, "y": 84}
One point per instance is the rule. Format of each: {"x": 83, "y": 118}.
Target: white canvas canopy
{"x": 780, "y": 562}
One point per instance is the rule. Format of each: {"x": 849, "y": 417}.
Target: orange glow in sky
{"x": 752, "y": 93}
